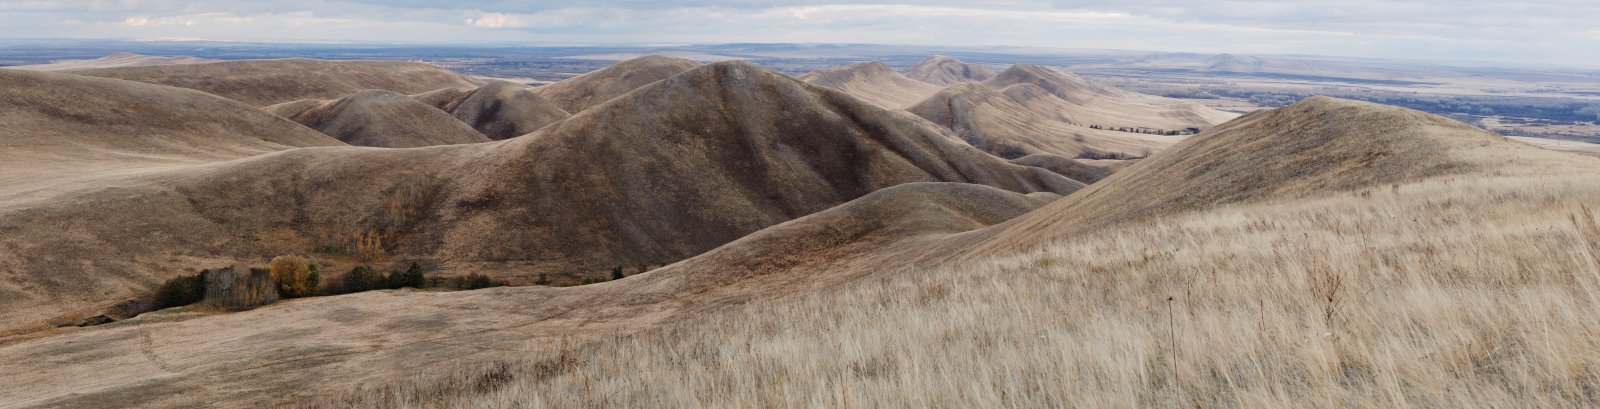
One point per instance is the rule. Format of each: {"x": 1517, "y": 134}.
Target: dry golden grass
{"x": 1455, "y": 291}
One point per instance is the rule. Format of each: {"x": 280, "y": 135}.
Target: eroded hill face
{"x": 267, "y": 82}
{"x": 378, "y": 118}
{"x": 498, "y": 110}
{"x": 730, "y": 139}
{"x": 594, "y": 88}
{"x": 943, "y": 70}
{"x": 650, "y": 178}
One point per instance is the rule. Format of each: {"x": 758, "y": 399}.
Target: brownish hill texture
{"x": 943, "y": 70}
{"x": 498, "y": 110}
{"x": 873, "y": 82}
{"x": 378, "y": 118}
{"x": 594, "y": 88}
{"x": 268, "y": 82}
{"x": 719, "y": 151}
{"x": 650, "y": 178}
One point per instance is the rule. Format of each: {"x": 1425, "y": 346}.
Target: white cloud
{"x": 494, "y": 20}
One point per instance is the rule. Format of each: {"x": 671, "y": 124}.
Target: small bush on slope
{"x": 295, "y": 276}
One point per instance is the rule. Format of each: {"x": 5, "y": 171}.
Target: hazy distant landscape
{"x": 1534, "y": 101}
{"x": 351, "y": 204}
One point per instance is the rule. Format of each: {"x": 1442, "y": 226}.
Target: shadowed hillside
{"x": 593, "y": 88}
{"x": 268, "y": 82}
{"x": 378, "y": 118}
{"x": 498, "y": 110}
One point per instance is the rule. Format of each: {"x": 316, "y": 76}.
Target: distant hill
{"x": 498, "y": 110}
{"x": 943, "y": 70}
{"x": 269, "y": 82}
{"x": 384, "y": 119}
{"x": 112, "y": 61}
{"x": 593, "y": 88}
{"x": 873, "y": 82}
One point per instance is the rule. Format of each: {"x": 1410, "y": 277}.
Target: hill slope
{"x": 377, "y": 118}
{"x": 584, "y": 91}
{"x": 873, "y": 82}
{"x": 943, "y": 70}
{"x": 57, "y": 126}
{"x": 1317, "y": 146}
{"x": 74, "y": 141}
{"x": 268, "y": 82}
{"x": 498, "y": 110}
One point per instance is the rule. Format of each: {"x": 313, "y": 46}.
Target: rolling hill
{"x": 498, "y": 110}
{"x": 1085, "y": 103}
{"x": 873, "y": 82}
{"x": 992, "y": 121}
{"x": 593, "y": 88}
{"x": 943, "y": 70}
{"x": 384, "y": 119}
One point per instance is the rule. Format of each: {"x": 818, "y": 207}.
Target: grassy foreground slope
{"x": 1342, "y": 255}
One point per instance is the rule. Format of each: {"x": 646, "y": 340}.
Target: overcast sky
{"x": 1561, "y": 32}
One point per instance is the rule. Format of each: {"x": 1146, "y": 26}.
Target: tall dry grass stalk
{"x": 1467, "y": 292}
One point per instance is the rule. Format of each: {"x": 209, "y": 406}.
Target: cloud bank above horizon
{"x": 1547, "y": 31}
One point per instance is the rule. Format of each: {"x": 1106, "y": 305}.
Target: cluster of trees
{"x": 365, "y": 278}
{"x": 297, "y": 276}
{"x": 1113, "y": 155}
{"x": 1187, "y": 131}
